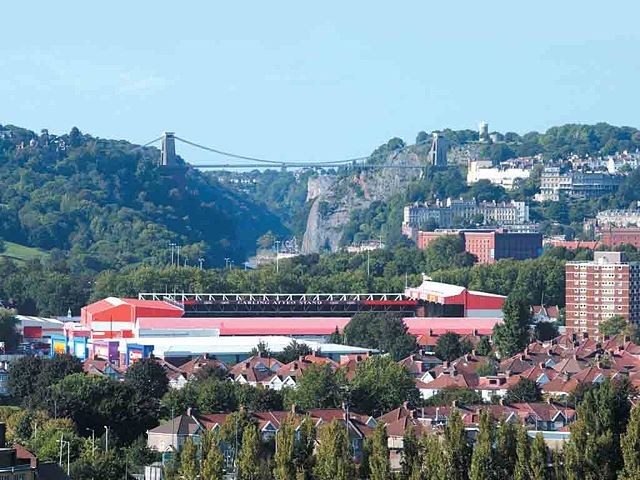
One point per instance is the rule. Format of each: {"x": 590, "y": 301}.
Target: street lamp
{"x": 66, "y": 443}
{"x": 200, "y": 261}
{"x": 172, "y": 245}
{"x": 277, "y": 256}
{"x": 106, "y": 439}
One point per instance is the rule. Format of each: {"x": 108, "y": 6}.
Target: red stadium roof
{"x": 460, "y": 325}
{"x": 250, "y": 325}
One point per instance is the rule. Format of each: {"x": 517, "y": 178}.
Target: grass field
{"x": 20, "y": 252}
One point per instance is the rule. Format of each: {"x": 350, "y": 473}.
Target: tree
{"x": 447, "y": 252}
{"x": 294, "y": 351}
{"x": 379, "y": 467}
{"x": 448, "y": 347}
{"x": 22, "y": 375}
{"x": 538, "y": 458}
{"x": 380, "y": 385}
{"x": 232, "y": 431}
{"x": 483, "y": 348}
{"x": 364, "y": 467}
{"x": 30, "y": 378}
{"x": 410, "y": 462}
{"x": 521, "y": 468}
{"x": 482, "y": 462}
{"x": 266, "y": 241}
{"x": 285, "y": 468}
{"x": 382, "y": 331}
{"x": 212, "y": 458}
{"x": 524, "y": 391}
{"x": 216, "y": 396}
{"x": 189, "y": 469}
{"x": 334, "y": 459}
{"x": 148, "y": 377}
{"x": 511, "y": 336}
{"x": 248, "y": 466}
{"x": 630, "y": 443}
{"x": 432, "y": 465}
{"x": 318, "y": 387}
{"x": 456, "y": 452}
{"x": 422, "y": 137}
{"x": 8, "y": 332}
{"x": 304, "y": 448}
{"x": 46, "y": 444}
{"x": 101, "y": 466}
{"x": 257, "y": 399}
{"x": 94, "y": 402}
{"x": 138, "y": 454}
{"x": 506, "y": 450}
{"x": 613, "y": 326}
{"x": 594, "y": 449}
{"x": 336, "y": 337}
{"x": 557, "y": 465}
{"x": 261, "y": 350}
{"x": 546, "y": 331}
{"x": 485, "y": 191}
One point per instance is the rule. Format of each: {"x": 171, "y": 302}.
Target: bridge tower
{"x": 168, "y": 158}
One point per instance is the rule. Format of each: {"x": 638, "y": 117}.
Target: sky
{"x": 315, "y": 81}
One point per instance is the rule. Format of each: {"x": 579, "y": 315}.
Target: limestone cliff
{"x": 334, "y": 197}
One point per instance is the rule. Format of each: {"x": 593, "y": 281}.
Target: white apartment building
{"x": 508, "y": 178}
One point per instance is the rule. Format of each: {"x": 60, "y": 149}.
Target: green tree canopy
{"x": 512, "y": 336}
{"x": 449, "y": 347}
{"x": 318, "y": 387}
{"x": 380, "y": 385}
{"x": 526, "y": 390}
{"x": 613, "y": 325}
{"x": 293, "y": 351}
{"x": 447, "y": 252}
{"x": 8, "y": 332}
{"x": 147, "y": 377}
{"x": 334, "y": 457}
{"x": 379, "y": 467}
{"x": 383, "y": 331}
{"x": 248, "y": 465}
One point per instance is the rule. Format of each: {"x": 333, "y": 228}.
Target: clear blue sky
{"x": 315, "y": 80}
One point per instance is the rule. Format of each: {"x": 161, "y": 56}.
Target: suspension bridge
{"x": 238, "y": 161}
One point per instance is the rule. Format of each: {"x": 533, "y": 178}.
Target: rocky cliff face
{"x": 334, "y": 197}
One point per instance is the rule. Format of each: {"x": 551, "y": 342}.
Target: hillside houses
{"x": 558, "y": 367}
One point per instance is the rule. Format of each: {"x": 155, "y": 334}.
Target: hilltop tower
{"x": 483, "y": 132}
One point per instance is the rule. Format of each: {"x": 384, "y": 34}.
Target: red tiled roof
{"x": 453, "y": 380}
